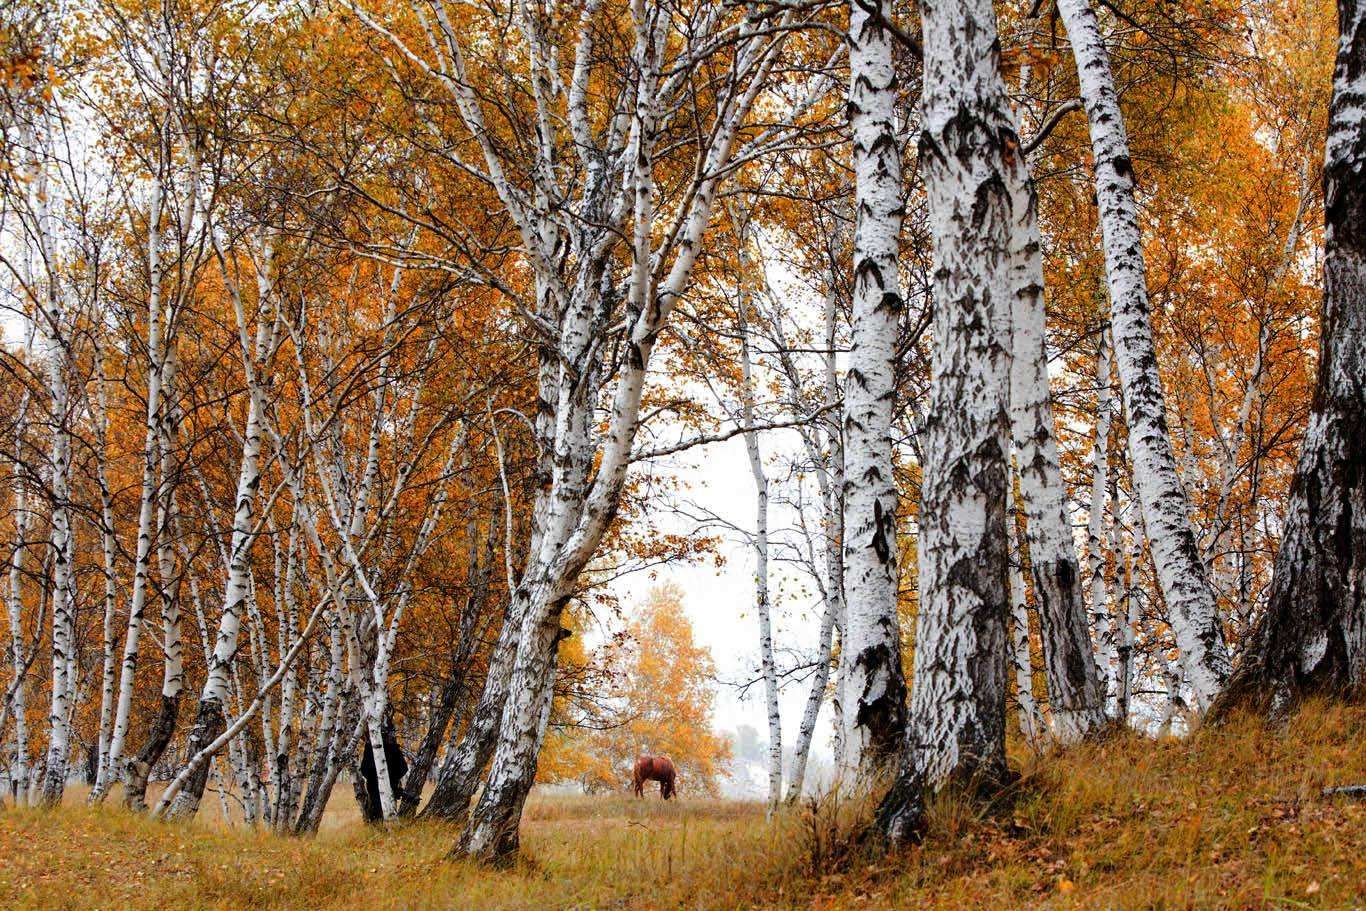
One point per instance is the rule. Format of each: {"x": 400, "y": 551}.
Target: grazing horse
{"x": 655, "y": 768}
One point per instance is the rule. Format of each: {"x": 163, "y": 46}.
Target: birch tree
{"x": 1166, "y": 512}
{"x": 1075, "y": 697}
{"x": 1312, "y": 637}
{"x": 874, "y": 690}
{"x": 956, "y": 729}
{"x": 256, "y": 355}
{"x": 762, "y": 610}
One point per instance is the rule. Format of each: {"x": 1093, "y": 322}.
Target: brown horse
{"x": 655, "y": 768}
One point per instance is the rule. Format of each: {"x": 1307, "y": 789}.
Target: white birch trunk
{"x": 957, "y": 724}
{"x": 142, "y": 559}
{"x": 1097, "y": 591}
{"x": 1166, "y": 512}
{"x": 210, "y": 720}
{"x": 19, "y": 768}
{"x": 110, "y": 545}
{"x": 1075, "y": 696}
{"x": 831, "y": 478}
{"x": 55, "y": 358}
{"x": 871, "y": 674}
{"x": 1126, "y": 615}
{"x": 1031, "y": 721}
{"x": 768, "y": 666}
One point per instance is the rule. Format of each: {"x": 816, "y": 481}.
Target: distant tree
{"x": 662, "y": 706}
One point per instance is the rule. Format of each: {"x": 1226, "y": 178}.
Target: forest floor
{"x": 1233, "y": 817}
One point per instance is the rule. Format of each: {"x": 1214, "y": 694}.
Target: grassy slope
{"x": 1232, "y": 818}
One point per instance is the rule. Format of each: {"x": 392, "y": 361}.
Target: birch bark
{"x": 1096, "y": 589}
{"x": 1031, "y": 721}
{"x": 18, "y": 702}
{"x": 957, "y": 725}
{"x": 830, "y": 477}
{"x": 1166, "y": 512}
{"x": 1312, "y": 637}
{"x": 871, "y": 674}
{"x": 1075, "y": 696}
{"x": 53, "y": 331}
{"x": 173, "y": 663}
{"x": 109, "y": 544}
{"x": 142, "y": 559}
{"x": 768, "y": 667}
{"x": 210, "y": 718}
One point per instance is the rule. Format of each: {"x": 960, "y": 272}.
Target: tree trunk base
{"x": 140, "y": 766}
{"x": 208, "y": 724}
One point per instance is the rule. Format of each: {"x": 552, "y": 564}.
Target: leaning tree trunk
{"x": 210, "y": 719}
{"x": 957, "y": 724}
{"x": 874, "y": 688}
{"x": 1166, "y": 512}
{"x": 1312, "y": 638}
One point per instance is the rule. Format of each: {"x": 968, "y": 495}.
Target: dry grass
{"x": 1233, "y": 818}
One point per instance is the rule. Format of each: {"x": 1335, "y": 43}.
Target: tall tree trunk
{"x": 1312, "y": 638}
{"x": 1166, "y": 512}
{"x": 210, "y": 719}
{"x": 19, "y": 769}
{"x": 57, "y": 361}
{"x": 768, "y": 666}
{"x": 1096, "y": 588}
{"x": 109, "y": 544}
{"x": 1126, "y": 605}
{"x": 957, "y": 724}
{"x": 157, "y": 328}
{"x": 1031, "y": 721}
{"x": 1075, "y": 696}
{"x": 173, "y": 664}
{"x": 871, "y": 673}
{"x": 832, "y": 492}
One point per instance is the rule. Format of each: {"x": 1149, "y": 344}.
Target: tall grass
{"x": 1232, "y": 818}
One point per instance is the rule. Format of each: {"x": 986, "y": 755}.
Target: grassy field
{"x": 1232, "y": 818}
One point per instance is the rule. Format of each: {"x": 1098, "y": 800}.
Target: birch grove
{"x": 360, "y": 360}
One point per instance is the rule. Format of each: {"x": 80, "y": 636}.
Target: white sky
{"x": 719, "y": 601}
